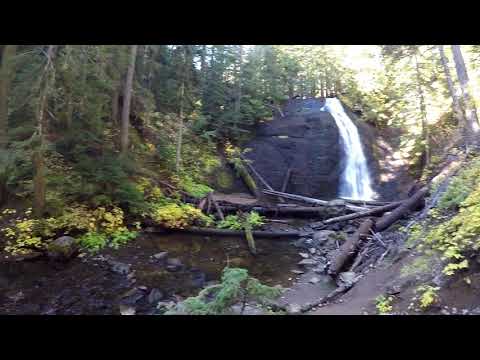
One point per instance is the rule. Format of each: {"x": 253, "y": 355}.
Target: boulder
{"x": 155, "y": 296}
{"x": 63, "y": 248}
{"x": 322, "y": 236}
{"x": 308, "y": 262}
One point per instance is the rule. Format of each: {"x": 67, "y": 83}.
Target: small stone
{"x": 127, "y": 310}
{"x": 144, "y": 288}
{"x": 314, "y": 280}
{"x": 444, "y": 312}
{"x": 304, "y": 255}
{"x": 161, "y": 255}
{"x": 299, "y": 272}
{"x": 294, "y": 309}
{"x": 308, "y": 262}
{"x": 120, "y": 268}
{"x": 312, "y": 250}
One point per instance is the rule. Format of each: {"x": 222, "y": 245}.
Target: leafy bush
{"x": 179, "y": 216}
{"x": 384, "y": 304}
{"x": 193, "y": 188}
{"x": 460, "y": 186}
{"x": 236, "y": 286}
{"x": 428, "y": 295}
{"x": 100, "y": 227}
{"x": 236, "y": 222}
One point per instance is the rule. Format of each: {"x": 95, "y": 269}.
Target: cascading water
{"x": 355, "y": 183}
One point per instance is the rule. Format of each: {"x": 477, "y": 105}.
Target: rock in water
{"x": 119, "y": 268}
{"x": 63, "y": 248}
{"x": 322, "y": 236}
{"x": 307, "y": 262}
{"x": 155, "y": 296}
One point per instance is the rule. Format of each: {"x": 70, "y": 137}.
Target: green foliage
{"x": 428, "y": 295}
{"x": 460, "y": 186}
{"x": 236, "y": 286}
{"x": 384, "y": 304}
{"x": 179, "y": 216}
{"x": 236, "y": 222}
{"x": 99, "y": 227}
{"x": 194, "y": 189}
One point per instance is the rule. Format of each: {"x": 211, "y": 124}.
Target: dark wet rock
{"x": 322, "y": 236}
{"x": 198, "y": 279}
{"x": 63, "y": 248}
{"x": 155, "y": 296}
{"x": 174, "y": 264}
{"x": 301, "y": 243}
{"x": 161, "y": 256}
{"x": 132, "y": 296}
{"x": 308, "y": 262}
{"x": 119, "y": 267}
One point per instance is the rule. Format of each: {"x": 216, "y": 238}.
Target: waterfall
{"x": 355, "y": 182}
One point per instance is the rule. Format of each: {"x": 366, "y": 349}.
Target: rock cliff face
{"x": 307, "y": 141}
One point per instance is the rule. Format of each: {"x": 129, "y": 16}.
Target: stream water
{"x": 89, "y": 286}
{"x": 356, "y": 183}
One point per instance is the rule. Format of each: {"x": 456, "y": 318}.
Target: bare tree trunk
{"x": 39, "y": 183}
{"x": 127, "y": 97}
{"x": 472, "y": 125}
{"x": 140, "y": 63}
{"x": 6, "y": 70}
{"x": 457, "y": 109}
{"x": 203, "y": 69}
{"x": 423, "y": 112}
{"x": 239, "y": 83}
{"x": 178, "y": 157}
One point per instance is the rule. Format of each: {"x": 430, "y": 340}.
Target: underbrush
{"x": 452, "y": 229}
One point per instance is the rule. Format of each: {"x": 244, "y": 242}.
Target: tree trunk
{"x": 6, "y": 70}
{"x": 423, "y": 112}
{"x": 472, "y": 125}
{"x": 178, "y": 157}
{"x": 457, "y": 109}
{"x": 127, "y": 98}
{"x": 140, "y": 64}
{"x": 39, "y": 183}
{"x": 238, "y": 96}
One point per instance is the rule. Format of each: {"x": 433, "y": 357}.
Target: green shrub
{"x": 236, "y": 286}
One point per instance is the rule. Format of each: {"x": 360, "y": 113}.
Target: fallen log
{"x": 367, "y": 202}
{"x": 375, "y": 211}
{"x": 388, "y": 219}
{"x": 300, "y": 210}
{"x": 315, "y": 201}
{"x": 248, "y": 180}
{"x": 349, "y": 248}
{"x": 225, "y": 232}
{"x": 257, "y": 174}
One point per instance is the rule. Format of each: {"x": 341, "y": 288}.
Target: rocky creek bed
{"x": 152, "y": 269}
